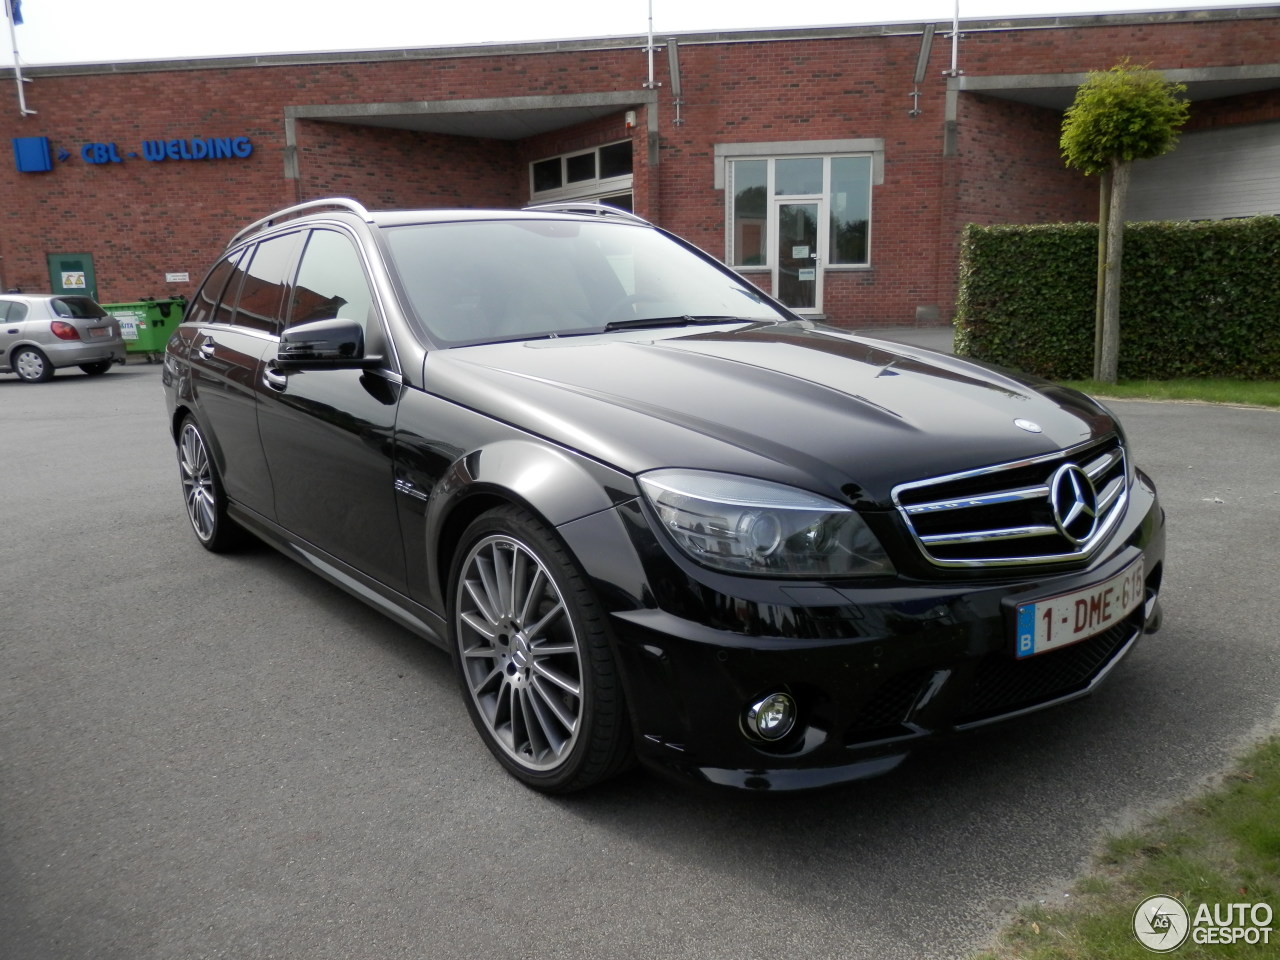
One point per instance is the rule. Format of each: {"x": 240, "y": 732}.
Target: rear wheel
{"x": 97, "y": 368}
{"x": 202, "y": 492}
{"x": 533, "y": 656}
{"x": 31, "y": 365}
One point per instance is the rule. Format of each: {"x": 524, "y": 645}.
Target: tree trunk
{"x": 1104, "y": 212}
{"x": 1110, "y": 362}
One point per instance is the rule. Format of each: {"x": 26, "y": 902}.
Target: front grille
{"x": 1002, "y": 685}
{"x": 1044, "y": 510}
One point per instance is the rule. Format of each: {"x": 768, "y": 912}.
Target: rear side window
{"x": 78, "y": 307}
{"x": 263, "y": 294}
{"x": 205, "y": 303}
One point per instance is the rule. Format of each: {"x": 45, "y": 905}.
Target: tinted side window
{"x": 17, "y": 312}
{"x": 265, "y": 282}
{"x": 331, "y": 283}
{"x": 4, "y": 309}
{"x": 205, "y": 302}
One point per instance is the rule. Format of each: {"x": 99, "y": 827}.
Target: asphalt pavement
{"x": 206, "y": 756}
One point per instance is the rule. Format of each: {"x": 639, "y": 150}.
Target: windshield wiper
{"x": 682, "y": 321}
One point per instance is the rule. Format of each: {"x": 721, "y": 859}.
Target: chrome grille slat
{"x": 1004, "y": 515}
{"x": 1028, "y": 493}
{"x": 1104, "y": 463}
{"x": 1108, "y": 495}
{"x": 1012, "y": 533}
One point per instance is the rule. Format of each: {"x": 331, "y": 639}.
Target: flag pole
{"x": 17, "y": 67}
{"x": 955, "y": 41}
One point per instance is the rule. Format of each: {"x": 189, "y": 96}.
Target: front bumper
{"x": 875, "y": 668}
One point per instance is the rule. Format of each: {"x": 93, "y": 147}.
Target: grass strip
{"x": 1220, "y": 848}
{"x": 1259, "y": 393}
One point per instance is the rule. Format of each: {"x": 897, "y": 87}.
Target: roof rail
{"x": 343, "y": 203}
{"x": 595, "y": 209}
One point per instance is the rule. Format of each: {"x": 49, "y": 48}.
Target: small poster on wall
{"x": 73, "y": 280}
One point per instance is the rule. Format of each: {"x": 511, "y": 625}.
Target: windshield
{"x": 487, "y": 280}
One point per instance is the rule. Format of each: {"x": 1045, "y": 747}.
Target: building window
{"x": 839, "y": 188}
{"x": 602, "y": 174}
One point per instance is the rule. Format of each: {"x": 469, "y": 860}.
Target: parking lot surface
{"x": 207, "y": 756}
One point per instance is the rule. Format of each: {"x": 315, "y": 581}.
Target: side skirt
{"x": 391, "y": 603}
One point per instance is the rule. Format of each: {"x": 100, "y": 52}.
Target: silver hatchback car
{"x": 41, "y": 332}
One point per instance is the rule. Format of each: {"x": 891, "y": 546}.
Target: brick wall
{"x": 395, "y": 169}
{"x": 141, "y": 219}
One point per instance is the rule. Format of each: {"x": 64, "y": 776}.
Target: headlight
{"x": 745, "y": 525}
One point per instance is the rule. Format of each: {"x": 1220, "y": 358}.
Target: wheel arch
{"x": 180, "y": 413}
{"x": 554, "y": 485}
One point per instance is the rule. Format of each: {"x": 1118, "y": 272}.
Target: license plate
{"x": 1059, "y": 621}
{"x": 97, "y": 333}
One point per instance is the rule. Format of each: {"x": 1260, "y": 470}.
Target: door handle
{"x": 275, "y": 379}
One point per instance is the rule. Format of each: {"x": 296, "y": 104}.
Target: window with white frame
{"x": 761, "y": 180}
{"x": 600, "y": 174}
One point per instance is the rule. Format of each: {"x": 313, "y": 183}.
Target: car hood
{"x": 796, "y": 402}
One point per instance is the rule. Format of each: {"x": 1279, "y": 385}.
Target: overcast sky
{"x": 81, "y": 31}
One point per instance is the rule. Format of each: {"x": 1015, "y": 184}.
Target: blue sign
{"x": 197, "y": 148}
{"x": 31, "y": 154}
{"x": 100, "y": 153}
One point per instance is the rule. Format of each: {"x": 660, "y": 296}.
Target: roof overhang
{"x": 498, "y": 118}
{"x": 1057, "y": 91}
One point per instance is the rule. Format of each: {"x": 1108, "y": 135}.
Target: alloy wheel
{"x": 198, "y": 490}
{"x": 520, "y": 653}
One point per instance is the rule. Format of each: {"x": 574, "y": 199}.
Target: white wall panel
{"x": 1210, "y": 175}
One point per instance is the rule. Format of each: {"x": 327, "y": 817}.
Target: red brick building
{"x": 835, "y": 166}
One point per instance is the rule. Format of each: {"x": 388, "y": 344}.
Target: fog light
{"x": 773, "y": 717}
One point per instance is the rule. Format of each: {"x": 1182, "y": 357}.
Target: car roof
{"x": 343, "y": 208}
{"x": 32, "y": 297}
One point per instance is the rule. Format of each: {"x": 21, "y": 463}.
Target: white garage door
{"x": 1210, "y": 175}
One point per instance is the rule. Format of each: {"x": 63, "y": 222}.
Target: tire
{"x": 533, "y": 656}
{"x": 202, "y": 492}
{"x": 31, "y": 365}
{"x": 97, "y": 368}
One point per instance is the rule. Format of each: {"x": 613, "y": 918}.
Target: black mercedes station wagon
{"x": 651, "y": 513}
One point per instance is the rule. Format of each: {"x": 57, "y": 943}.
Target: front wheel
{"x": 202, "y": 492}
{"x": 533, "y": 656}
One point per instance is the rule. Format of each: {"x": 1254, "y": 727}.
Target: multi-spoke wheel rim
{"x": 520, "y": 653}
{"x": 197, "y": 483}
{"x": 30, "y": 365}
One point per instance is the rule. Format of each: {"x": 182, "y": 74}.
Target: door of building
{"x": 72, "y": 273}
{"x": 797, "y": 280}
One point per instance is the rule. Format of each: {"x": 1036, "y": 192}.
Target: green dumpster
{"x": 146, "y": 324}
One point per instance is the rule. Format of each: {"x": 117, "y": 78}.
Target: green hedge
{"x": 1196, "y": 299}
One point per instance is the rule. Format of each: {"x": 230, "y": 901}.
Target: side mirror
{"x": 324, "y": 344}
